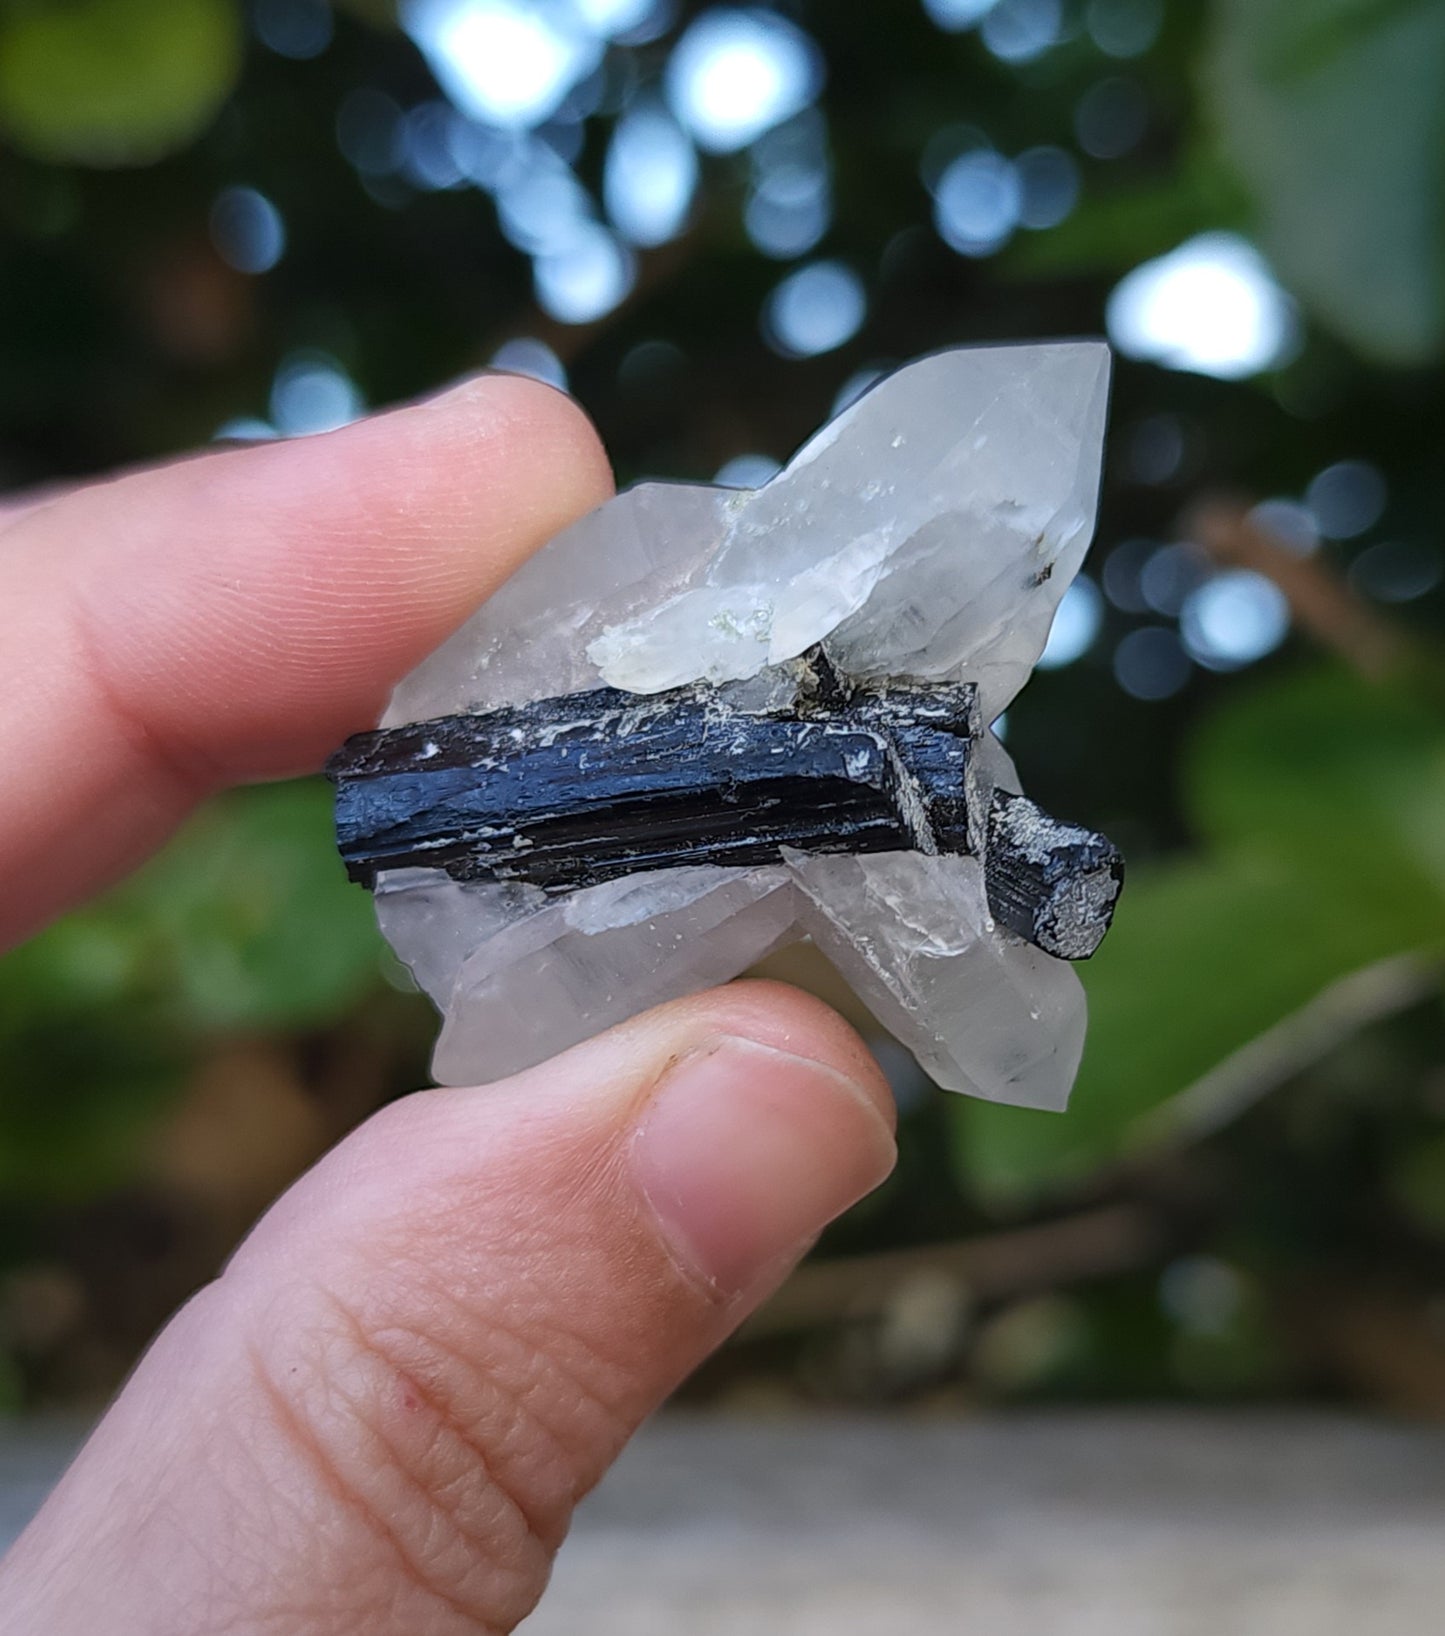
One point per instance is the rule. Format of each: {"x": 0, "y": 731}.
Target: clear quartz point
{"x": 928, "y": 532}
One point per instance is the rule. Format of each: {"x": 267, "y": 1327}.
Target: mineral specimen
{"x": 702, "y": 723}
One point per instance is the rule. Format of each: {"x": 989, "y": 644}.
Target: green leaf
{"x": 1326, "y": 804}
{"x": 1333, "y": 117}
{"x": 252, "y": 917}
{"x": 1416, "y": 1180}
{"x": 1316, "y": 763}
{"x": 244, "y": 922}
{"x": 87, "y": 1063}
{"x": 115, "y": 82}
{"x": 78, "y": 1096}
{"x": 1203, "y": 958}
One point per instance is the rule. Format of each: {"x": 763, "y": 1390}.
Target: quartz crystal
{"x": 927, "y": 533}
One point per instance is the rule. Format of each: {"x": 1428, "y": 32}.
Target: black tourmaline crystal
{"x": 569, "y": 792}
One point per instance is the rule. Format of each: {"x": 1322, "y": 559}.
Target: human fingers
{"x": 379, "y": 1419}
{"x": 235, "y": 615}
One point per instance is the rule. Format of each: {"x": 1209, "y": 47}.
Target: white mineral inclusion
{"x": 929, "y": 531}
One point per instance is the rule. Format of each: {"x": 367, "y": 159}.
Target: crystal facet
{"x": 927, "y": 535}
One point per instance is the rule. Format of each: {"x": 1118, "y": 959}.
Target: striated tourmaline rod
{"x": 569, "y": 792}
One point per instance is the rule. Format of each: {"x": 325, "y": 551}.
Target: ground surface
{"x": 1117, "y": 1524}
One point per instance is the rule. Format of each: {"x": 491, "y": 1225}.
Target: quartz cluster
{"x": 923, "y": 537}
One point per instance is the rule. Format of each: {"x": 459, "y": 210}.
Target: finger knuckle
{"x": 454, "y": 1443}
{"x": 443, "y": 1541}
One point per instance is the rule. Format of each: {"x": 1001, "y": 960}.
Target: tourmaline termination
{"x": 923, "y": 538}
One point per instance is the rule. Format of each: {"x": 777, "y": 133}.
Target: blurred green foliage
{"x": 1320, "y": 807}
{"x": 242, "y": 924}
{"x": 1331, "y": 114}
{"x": 1286, "y": 827}
{"x": 113, "y": 82}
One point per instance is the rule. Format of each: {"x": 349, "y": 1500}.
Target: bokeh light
{"x": 815, "y": 309}
{"x": 790, "y": 202}
{"x": 618, "y": 19}
{"x": 1111, "y": 118}
{"x": 1287, "y": 521}
{"x": 1124, "y": 28}
{"x": 1211, "y": 306}
{"x": 487, "y": 157}
{"x": 1151, "y": 664}
{"x": 1048, "y": 180}
{"x": 1170, "y": 574}
{"x": 428, "y": 153}
{"x": 526, "y": 355}
{"x": 737, "y": 72}
{"x": 855, "y": 386}
{"x": 1347, "y": 499}
{"x": 652, "y": 369}
{"x": 1396, "y": 570}
{"x": 947, "y": 143}
{"x": 541, "y": 205}
{"x": 747, "y": 471}
{"x": 1076, "y": 625}
{"x": 956, "y": 15}
{"x": 244, "y": 429}
{"x": 583, "y": 276}
{"x": 301, "y": 29}
{"x": 1018, "y": 31}
{"x": 1233, "y": 619}
{"x": 978, "y": 203}
{"x": 247, "y": 230}
{"x": 650, "y": 175}
{"x": 1155, "y": 449}
{"x": 311, "y": 392}
{"x": 787, "y": 211}
{"x": 503, "y": 61}
{"x": 1124, "y": 572}
{"x": 369, "y": 131}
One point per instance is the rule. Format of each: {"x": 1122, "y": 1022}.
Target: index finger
{"x": 233, "y": 617}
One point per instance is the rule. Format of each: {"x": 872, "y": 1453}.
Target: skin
{"x": 379, "y": 1418}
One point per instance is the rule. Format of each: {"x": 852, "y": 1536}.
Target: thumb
{"x": 379, "y": 1419}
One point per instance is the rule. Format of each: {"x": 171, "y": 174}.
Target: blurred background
{"x": 714, "y": 225}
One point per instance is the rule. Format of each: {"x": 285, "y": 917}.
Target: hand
{"x": 381, "y": 1415}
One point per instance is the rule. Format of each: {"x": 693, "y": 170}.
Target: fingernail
{"x": 746, "y": 1153}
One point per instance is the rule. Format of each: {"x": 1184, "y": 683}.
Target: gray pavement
{"x": 1099, "y": 1524}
